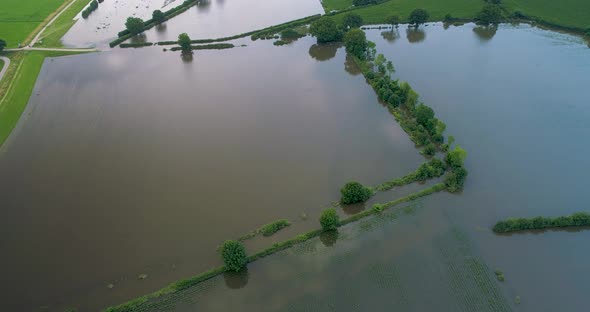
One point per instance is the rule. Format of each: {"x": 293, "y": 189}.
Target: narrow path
{"x": 5, "y": 67}
{"x": 34, "y": 41}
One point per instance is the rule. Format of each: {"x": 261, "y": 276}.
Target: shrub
{"x": 456, "y": 157}
{"x": 271, "y": 228}
{"x": 418, "y": 16}
{"x": 429, "y": 150}
{"x": 456, "y": 179}
{"x": 134, "y": 25}
{"x": 329, "y": 219}
{"x": 184, "y": 41}
{"x": 353, "y": 192}
{"x": 234, "y": 255}
{"x": 325, "y": 30}
{"x": 93, "y": 6}
{"x": 490, "y": 14}
{"x": 378, "y": 207}
{"x": 352, "y": 20}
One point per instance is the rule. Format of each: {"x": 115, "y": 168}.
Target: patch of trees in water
{"x": 540, "y": 223}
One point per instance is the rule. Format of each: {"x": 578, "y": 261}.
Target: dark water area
{"x": 516, "y": 98}
{"x": 208, "y": 19}
{"x": 138, "y": 161}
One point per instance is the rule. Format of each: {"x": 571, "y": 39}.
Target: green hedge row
{"x": 433, "y": 169}
{"x": 539, "y": 223}
{"x": 91, "y": 8}
{"x": 136, "y": 44}
{"x": 125, "y": 34}
{"x": 272, "y": 30}
{"x": 216, "y": 46}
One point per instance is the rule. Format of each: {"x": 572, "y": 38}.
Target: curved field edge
{"x": 18, "y": 84}
{"x": 51, "y": 37}
{"x": 147, "y": 301}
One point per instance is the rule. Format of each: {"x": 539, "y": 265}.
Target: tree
{"x": 352, "y": 20}
{"x": 134, "y": 25}
{"x": 490, "y": 14}
{"x": 418, "y": 16}
{"x": 158, "y": 16}
{"x": 393, "y": 20}
{"x": 234, "y": 255}
{"x": 184, "y": 41}
{"x": 329, "y": 219}
{"x": 356, "y": 43}
{"x": 325, "y": 30}
{"x": 456, "y": 157}
{"x": 455, "y": 180}
{"x": 424, "y": 116}
{"x": 354, "y": 192}
{"x": 2, "y": 44}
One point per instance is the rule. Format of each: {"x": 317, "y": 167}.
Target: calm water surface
{"x": 208, "y": 19}
{"x": 516, "y": 98}
{"x": 140, "y": 161}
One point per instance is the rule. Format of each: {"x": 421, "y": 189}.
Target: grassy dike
{"x": 52, "y": 35}
{"x": 17, "y": 85}
{"x": 150, "y": 300}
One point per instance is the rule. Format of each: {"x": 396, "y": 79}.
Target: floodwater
{"x": 139, "y": 161}
{"x": 208, "y": 19}
{"x": 516, "y": 98}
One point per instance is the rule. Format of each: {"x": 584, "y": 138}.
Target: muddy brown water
{"x": 135, "y": 162}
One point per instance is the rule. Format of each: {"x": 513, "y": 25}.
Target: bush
{"x": 271, "y": 228}
{"x": 418, "y": 16}
{"x": 134, "y": 25}
{"x": 184, "y": 41}
{"x": 456, "y": 157}
{"x": 158, "y": 16}
{"x": 234, "y": 255}
{"x": 325, "y": 30}
{"x": 456, "y": 179}
{"x": 352, "y": 20}
{"x": 329, "y": 219}
{"x": 354, "y": 192}
{"x": 490, "y": 14}
{"x": 429, "y": 150}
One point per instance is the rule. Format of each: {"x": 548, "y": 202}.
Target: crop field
{"x": 18, "y": 18}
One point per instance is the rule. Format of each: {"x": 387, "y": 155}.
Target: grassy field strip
{"x": 20, "y": 20}
{"x": 53, "y": 33}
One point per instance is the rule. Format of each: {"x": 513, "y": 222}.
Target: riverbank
{"x": 51, "y": 37}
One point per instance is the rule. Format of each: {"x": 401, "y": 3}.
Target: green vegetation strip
{"x": 267, "y": 229}
{"x": 216, "y": 46}
{"x": 136, "y": 44}
{"x": 141, "y": 303}
{"x": 540, "y": 223}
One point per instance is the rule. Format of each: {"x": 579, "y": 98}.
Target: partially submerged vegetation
{"x": 215, "y": 46}
{"x": 267, "y": 229}
{"x": 91, "y": 8}
{"x": 540, "y": 223}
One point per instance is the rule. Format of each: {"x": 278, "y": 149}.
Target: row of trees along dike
{"x": 91, "y": 8}
{"x": 136, "y": 25}
{"x": 540, "y": 223}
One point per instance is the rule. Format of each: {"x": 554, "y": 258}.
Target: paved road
{"x": 5, "y": 67}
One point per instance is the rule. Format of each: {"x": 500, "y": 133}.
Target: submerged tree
{"x": 329, "y": 219}
{"x": 353, "y": 192}
{"x": 418, "y": 16}
{"x": 325, "y": 30}
{"x": 184, "y": 41}
{"x": 134, "y": 25}
{"x": 158, "y": 16}
{"x": 356, "y": 43}
{"x": 234, "y": 255}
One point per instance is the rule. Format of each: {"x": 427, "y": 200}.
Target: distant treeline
{"x": 539, "y": 223}
{"x": 215, "y": 46}
{"x": 93, "y": 6}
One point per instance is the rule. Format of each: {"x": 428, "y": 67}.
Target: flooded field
{"x": 134, "y": 162}
{"x": 208, "y": 19}
{"x": 515, "y": 99}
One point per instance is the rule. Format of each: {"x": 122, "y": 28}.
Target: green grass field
{"x": 15, "y": 92}
{"x": 1, "y": 64}
{"x": 18, "y": 18}
{"x": 570, "y": 13}
{"x": 52, "y": 35}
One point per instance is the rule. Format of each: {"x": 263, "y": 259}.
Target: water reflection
{"x": 390, "y": 35}
{"x": 329, "y": 238}
{"x": 415, "y": 35}
{"x": 324, "y": 51}
{"x": 204, "y": 5}
{"x": 186, "y": 56}
{"x": 354, "y": 208}
{"x": 485, "y": 33}
{"x": 161, "y": 27}
{"x": 138, "y": 38}
{"x": 351, "y": 67}
{"x": 236, "y": 280}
